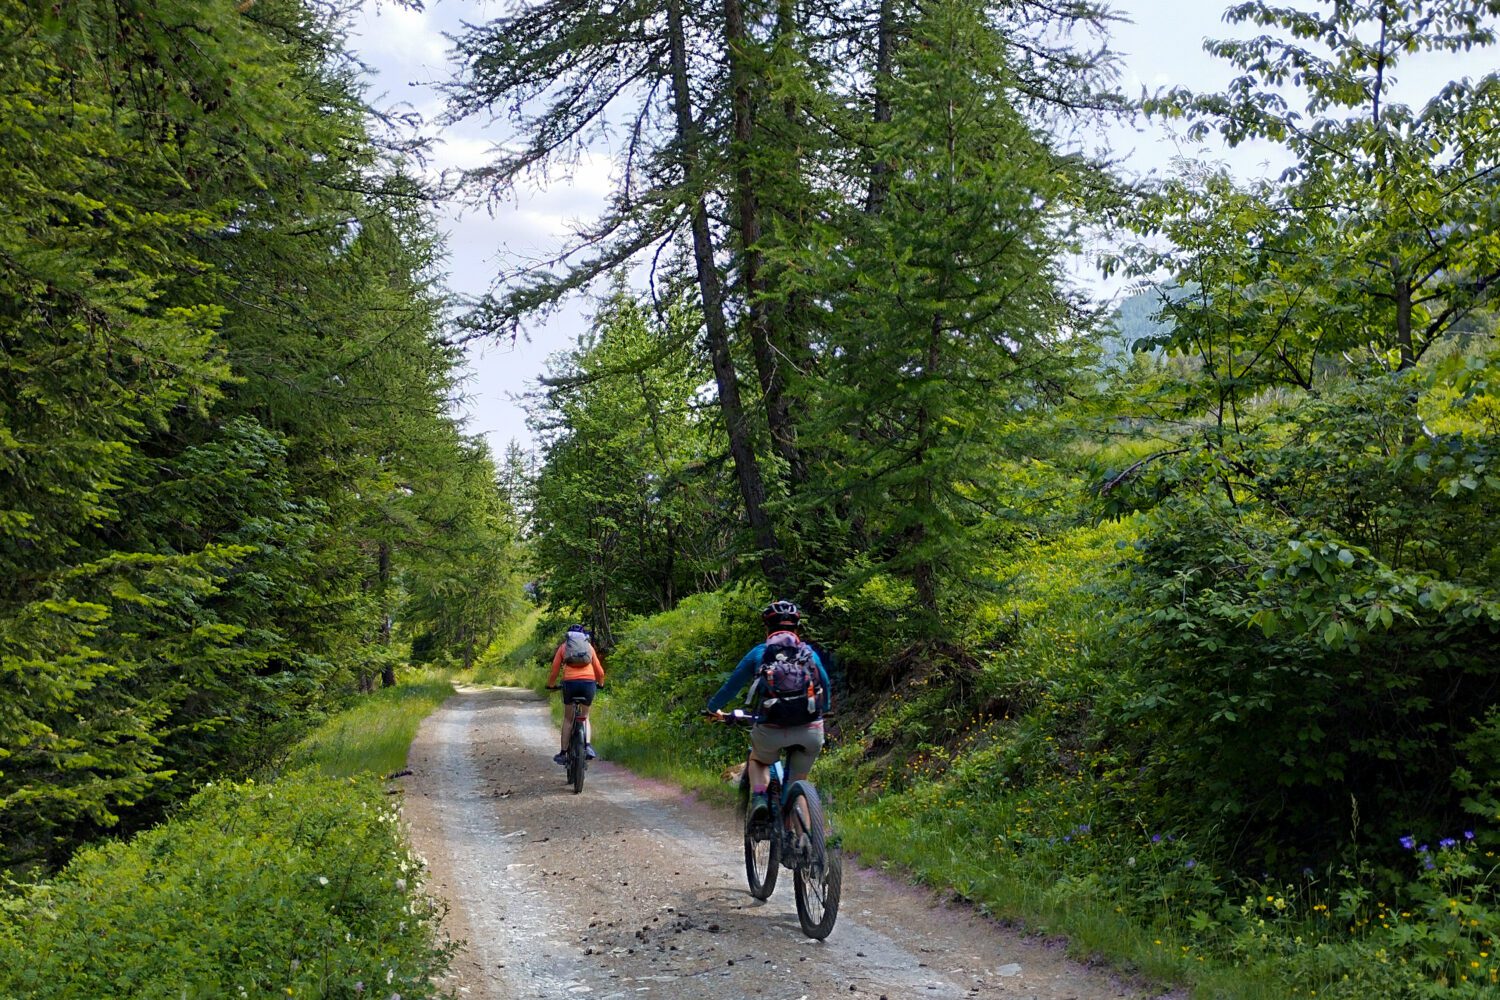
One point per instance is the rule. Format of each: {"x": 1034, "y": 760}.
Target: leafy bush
{"x": 1316, "y": 663}
{"x": 663, "y": 671}
{"x": 300, "y": 887}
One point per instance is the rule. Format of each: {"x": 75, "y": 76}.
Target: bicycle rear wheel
{"x": 578, "y": 760}
{"x": 818, "y": 877}
{"x": 762, "y": 855}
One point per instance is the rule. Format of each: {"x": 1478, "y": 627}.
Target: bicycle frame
{"x": 801, "y": 845}
{"x": 577, "y": 752}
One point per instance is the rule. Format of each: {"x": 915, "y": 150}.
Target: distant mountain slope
{"x": 1134, "y": 319}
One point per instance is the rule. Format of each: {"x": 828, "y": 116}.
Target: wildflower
{"x": 1468, "y": 834}
{"x": 1408, "y": 842}
{"x": 1447, "y": 842}
{"x": 322, "y": 880}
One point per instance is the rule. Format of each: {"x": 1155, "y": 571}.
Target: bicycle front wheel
{"x": 818, "y": 875}
{"x": 578, "y": 759}
{"x": 762, "y": 855}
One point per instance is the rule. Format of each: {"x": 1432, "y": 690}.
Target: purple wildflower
{"x": 1409, "y": 842}
{"x": 1468, "y": 834}
{"x": 1447, "y": 842}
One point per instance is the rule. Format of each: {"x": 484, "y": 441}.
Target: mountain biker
{"x": 582, "y": 674}
{"x": 804, "y": 742}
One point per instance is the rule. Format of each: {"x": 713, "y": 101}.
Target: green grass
{"x": 302, "y": 886}
{"x": 519, "y": 657}
{"x": 374, "y": 735}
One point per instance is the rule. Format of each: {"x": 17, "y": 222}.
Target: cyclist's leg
{"x": 765, "y": 750}
{"x": 800, "y": 756}
{"x": 802, "y": 744}
{"x": 571, "y": 691}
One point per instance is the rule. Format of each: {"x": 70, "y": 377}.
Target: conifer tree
{"x": 947, "y": 311}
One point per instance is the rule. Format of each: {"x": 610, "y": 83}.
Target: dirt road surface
{"x": 634, "y": 889}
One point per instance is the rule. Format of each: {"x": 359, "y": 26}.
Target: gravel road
{"x": 635, "y": 889}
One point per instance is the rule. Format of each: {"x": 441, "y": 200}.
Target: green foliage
{"x": 228, "y": 464}
{"x": 1379, "y": 240}
{"x": 520, "y": 655}
{"x": 943, "y": 328}
{"x": 301, "y": 886}
{"x": 617, "y": 501}
{"x": 1330, "y": 645}
{"x": 373, "y": 735}
{"x": 661, "y": 674}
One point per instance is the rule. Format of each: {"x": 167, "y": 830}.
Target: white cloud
{"x": 399, "y": 41}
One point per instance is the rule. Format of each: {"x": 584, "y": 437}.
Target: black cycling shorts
{"x": 579, "y": 689}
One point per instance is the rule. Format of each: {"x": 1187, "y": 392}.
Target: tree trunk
{"x": 1403, "y": 319}
{"x": 383, "y": 563}
{"x": 741, "y": 450}
{"x": 885, "y": 54}
{"x": 758, "y": 313}
{"x": 924, "y": 574}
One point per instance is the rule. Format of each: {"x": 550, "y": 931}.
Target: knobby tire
{"x": 819, "y": 878}
{"x": 578, "y": 760}
{"x": 762, "y": 854}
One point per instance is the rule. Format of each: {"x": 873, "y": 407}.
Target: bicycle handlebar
{"x": 739, "y": 717}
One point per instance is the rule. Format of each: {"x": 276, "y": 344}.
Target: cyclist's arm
{"x": 827, "y": 685}
{"x": 598, "y": 665}
{"x": 736, "y": 681}
{"x": 556, "y": 666}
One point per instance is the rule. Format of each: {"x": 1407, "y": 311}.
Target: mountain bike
{"x": 577, "y": 752}
{"x": 795, "y": 835}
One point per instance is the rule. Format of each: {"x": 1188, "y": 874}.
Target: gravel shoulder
{"x": 635, "y": 889}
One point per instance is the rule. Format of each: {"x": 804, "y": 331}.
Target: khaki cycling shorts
{"x": 802, "y": 743}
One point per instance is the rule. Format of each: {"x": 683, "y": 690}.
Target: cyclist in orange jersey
{"x": 582, "y": 674}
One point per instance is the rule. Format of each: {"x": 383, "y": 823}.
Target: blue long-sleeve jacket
{"x": 745, "y": 673}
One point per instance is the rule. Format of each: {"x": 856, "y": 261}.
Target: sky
{"x": 1160, "y": 45}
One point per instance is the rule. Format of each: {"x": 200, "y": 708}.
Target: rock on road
{"x": 634, "y": 889}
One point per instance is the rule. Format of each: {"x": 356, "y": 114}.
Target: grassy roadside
{"x": 986, "y": 792}
{"x": 299, "y": 884}
{"x": 373, "y": 736}
{"x": 516, "y": 658}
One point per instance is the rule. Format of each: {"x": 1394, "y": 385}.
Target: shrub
{"x": 300, "y": 887}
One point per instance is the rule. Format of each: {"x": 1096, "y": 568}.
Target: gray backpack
{"x": 577, "y": 650}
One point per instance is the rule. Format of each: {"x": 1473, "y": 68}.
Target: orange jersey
{"x": 591, "y": 671}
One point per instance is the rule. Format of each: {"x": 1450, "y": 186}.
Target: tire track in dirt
{"x": 635, "y": 889}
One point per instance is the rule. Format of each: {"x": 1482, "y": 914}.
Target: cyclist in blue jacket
{"x": 798, "y": 728}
